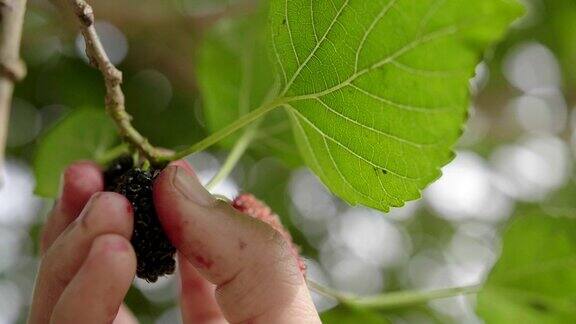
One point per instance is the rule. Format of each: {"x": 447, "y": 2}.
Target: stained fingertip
{"x": 80, "y": 181}
{"x": 110, "y": 210}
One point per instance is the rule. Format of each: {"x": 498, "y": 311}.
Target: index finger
{"x": 79, "y": 182}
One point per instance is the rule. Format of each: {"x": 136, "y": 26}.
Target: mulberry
{"x": 154, "y": 252}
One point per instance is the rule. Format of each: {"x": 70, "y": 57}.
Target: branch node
{"x": 114, "y": 99}
{"x": 13, "y": 70}
{"x": 113, "y": 75}
{"x": 84, "y": 13}
{"x": 5, "y": 4}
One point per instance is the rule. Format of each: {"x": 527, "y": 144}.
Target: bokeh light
{"x": 27, "y": 123}
{"x": 467, "y": 191}
{"x": 533, "y": 167}
{"x": 532, "y": 66}
{"x": 113, "y": 40}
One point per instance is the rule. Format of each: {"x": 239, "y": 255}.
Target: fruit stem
{"x": 394, "y": 299}
{"x": 112, "y": 154}
{"x": 234, "y": 156}
{"x": 224, "y": 132}
{"x": 114, "y": 100}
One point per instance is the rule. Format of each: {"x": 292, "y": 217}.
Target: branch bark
{"x": 12, "y": 69}
{"x": 113, "y": 81}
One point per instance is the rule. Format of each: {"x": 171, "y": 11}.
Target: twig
{"x": 410, "y": 298}
{"x": 113, "y": 80}
{"x": 392, "y": 300}
{"x": 329, "y": 292}
{"x": 12, "y": 69}
{"x": 111, "y": 154}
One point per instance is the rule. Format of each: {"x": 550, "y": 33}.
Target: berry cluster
{"x": 154, "y": 252}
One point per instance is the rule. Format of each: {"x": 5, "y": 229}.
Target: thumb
{"x": 257, "y": 277}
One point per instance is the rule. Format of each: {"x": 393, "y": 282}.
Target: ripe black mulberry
{"x": 154, "y": 252}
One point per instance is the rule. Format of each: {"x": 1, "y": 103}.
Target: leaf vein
{"x": 324, "y": 36}
{"x": 345, "y": 179}
{"x": 374, "y": 130}
{"x": 290, "y": 31}
{"x": 367, "y": 33}
{"x": 349, "y": 149}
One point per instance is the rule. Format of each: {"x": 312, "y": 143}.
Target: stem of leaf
{"x": 392, "y": 300}
{"x": 341, "y": 297}
{"x": 234, "y": 156}
{"x": 224, "y": 132}
{"x": 112, "y": 154}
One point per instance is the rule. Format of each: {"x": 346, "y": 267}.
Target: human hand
{"x": 233, "y": 267}
{"x": 87, "y": 262}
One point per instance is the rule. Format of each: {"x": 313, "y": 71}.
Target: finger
{"x": 184, "y": 164}
{"x": 98, "y": 289}
{"x": 198, "y": 301}
{"x": 79, "y": 182}
{"x": 256, "y": 275}
{"x": 105, "y": 213}
{"x": 197, "y": 295}
{"x": 125, "y": 316}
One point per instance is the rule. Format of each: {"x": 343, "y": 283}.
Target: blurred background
{"x": 517, "y": 154}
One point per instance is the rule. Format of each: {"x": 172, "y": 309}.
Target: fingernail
{"x": 190, "y": 187}
{"x": 88, "y": 207}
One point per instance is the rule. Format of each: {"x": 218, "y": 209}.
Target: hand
{"x": 233, "y": 267}
{"x": 87, "y": 261}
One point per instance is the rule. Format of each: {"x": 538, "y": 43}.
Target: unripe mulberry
{"x": 251, "y": 206}
{"x": 154, "y": 252}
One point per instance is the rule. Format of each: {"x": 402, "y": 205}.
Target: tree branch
{"x": 12, "y": 69}
{"x": 112, "y": 80}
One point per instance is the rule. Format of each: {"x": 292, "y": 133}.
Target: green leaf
{"x": 345, "y": 315}
{"x": 84, "y": 134}
{"x": 534, "y": 280}
{"x": 236, "y": 76}
{"x": 377, "y": 90}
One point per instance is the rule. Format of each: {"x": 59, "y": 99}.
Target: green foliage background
{"x": 176, "y": 99}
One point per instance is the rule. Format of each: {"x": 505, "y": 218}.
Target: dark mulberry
{"x": 154, "y": 252}
{"x": 115, "y": 170}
